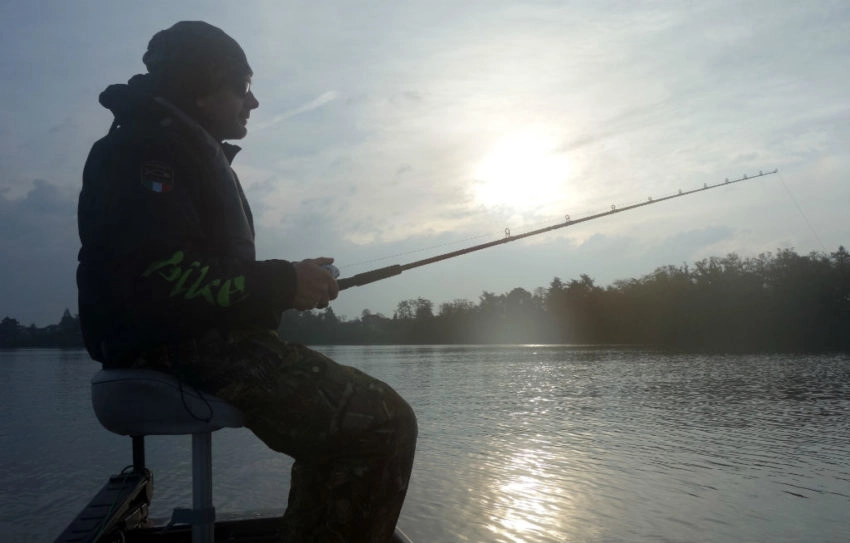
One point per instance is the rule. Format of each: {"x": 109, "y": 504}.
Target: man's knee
{"x": 406, "y": 420}
{"x": 382, "y": 415}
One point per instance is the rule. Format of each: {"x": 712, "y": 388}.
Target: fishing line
{"x": 800, "y": 209}
{"x": 534, "y": 226}
{"x": 396, "y": 269}
{"x": 437, "y": 246}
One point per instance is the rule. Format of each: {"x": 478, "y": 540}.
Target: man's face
{"x": 224, "y": 112}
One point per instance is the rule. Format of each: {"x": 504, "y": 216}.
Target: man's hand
{"x": 314, "y": 285}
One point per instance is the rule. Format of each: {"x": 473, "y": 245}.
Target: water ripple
{"x": 542, "y": 444}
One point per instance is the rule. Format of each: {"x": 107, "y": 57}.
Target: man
{"x": 168, "y": 279}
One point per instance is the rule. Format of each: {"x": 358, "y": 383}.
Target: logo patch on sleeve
{"x": 157, "y": 176}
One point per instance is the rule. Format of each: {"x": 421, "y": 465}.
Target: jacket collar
{"x": 134, "y": 100}
{"x": 230, "y": 150}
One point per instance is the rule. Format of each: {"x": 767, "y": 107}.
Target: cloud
{"x": 39, "y": 247}
{"x": 376, "y": 116}
{"x": 315, "y": 103}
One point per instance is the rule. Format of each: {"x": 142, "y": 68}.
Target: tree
{"x": 424, "y": 309}
{"x": 405, "y": 310}
{"x": 10, "y": 332}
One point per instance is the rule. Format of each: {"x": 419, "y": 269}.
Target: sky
{"x": 392, "y": 131}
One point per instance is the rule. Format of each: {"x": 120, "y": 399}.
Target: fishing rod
{"x": 390, "y": 271}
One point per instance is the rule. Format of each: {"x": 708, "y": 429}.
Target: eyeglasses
{"x": 241, "y": 86}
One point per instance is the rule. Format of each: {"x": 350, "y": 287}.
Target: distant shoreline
{"x": 782, "y": 303}
{"x": 589, "y": 347}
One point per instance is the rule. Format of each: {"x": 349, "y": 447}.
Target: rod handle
{"x": 369, "y": 277}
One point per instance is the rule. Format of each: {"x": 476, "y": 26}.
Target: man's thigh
{"x": 299, "y": 401}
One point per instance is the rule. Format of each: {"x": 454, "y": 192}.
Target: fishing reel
{"x": 333, "y": 270}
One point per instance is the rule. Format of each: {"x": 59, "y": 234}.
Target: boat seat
{"x": 142, "y": 402}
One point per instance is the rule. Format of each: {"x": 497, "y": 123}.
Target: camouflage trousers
{"x": 352, "y": 437}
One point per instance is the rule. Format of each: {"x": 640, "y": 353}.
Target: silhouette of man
{"x": 168, "y": 279}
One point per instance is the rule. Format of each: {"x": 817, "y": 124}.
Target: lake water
{"x": 517, "y": 444}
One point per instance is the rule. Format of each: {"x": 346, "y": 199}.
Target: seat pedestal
{"x": 139, "y": 402}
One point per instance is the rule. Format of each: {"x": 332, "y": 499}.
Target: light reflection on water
{"x": 529, "y": 503}
{"x": 517, "y": 444}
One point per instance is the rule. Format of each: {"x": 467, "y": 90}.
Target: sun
{"x": 522, "y": 173}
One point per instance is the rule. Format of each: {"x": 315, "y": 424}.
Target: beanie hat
{"x": 191, "y": 59}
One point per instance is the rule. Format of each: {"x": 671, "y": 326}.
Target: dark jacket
{"x": 167, "y": 236}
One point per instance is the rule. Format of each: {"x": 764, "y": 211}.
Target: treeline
{"x": 774, "y": 302}
{"x": 65, "y": 334}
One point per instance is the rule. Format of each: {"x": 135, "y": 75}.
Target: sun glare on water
{"x": 523, "y": 172}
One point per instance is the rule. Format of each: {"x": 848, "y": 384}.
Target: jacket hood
{"x": 133, "y": 100}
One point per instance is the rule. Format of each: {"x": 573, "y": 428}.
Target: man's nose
{"x": 253, "y": 103}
